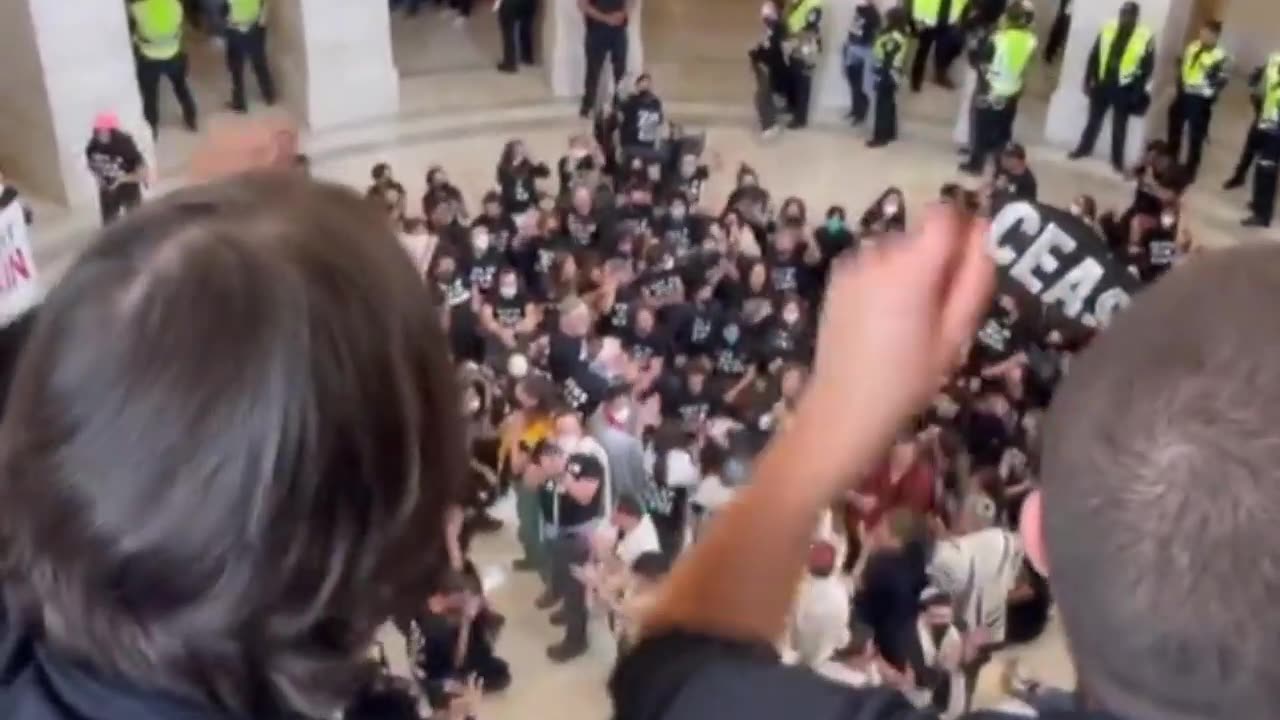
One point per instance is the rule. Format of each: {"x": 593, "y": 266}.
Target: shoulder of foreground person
{"x": 683, "y": 676}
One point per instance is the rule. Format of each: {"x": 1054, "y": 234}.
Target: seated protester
{"x": 695, "y": 330}
{"x": 616, "y": 320}
{"x": 649, "y": 345}
{"x": 938, "y": 651}
{"x": 787, "y": 337}
{"x": 672, "y": 473}
{"x": 1013, "y": 179}
{"x": 891, "y": 583}
{"x": 677, "y": 230}
{"x": 961, "y": 197}
{"x": 1160, "y": 246}
{"x": 1160, "y": 181}
{"x": 688, "y": 179}
{"x": 560, "y": 283}
{"x": 580, "y": 166}
{"x": 485, "y": 262}
{"x": 1029, "y": 605}
{"x": 579, "y": 219}
{"x": 453, "y": 294}
{"x": 989, "y": 426}
{"x": 833, "y": 238}
{"x": 741, "y": 238}
{"x": 819, "y": 623}
{"x": 643, "y": 126}
{"x": 856, "y": 663}
{"x": 732, "y": 355}
{"x": 1086, "y": 208}
{"x": 635, "y": 208}
{"x": 441, "y": 191}
{"x": 447, "y": 644}
{"x": 1001, "y": 336}
{"x": 791, "y": 260}
{"x": 508, "y": 316}
{"x": 444, "y": 220}
{"x": 567, "y": 349}
{"x": 518, "y": 177}
{"x": 502, "y": 229}
{"x": 756, "y": 298}
{"x": 751, "y": 202}
{"x": 689, "y": 400}
{"x": 572, "y": 503}
{"x": 888, "y": 214}
{"x": 612, "y": 426}
{"x": 383, "y": 179}
{"x": 660, "y": 284}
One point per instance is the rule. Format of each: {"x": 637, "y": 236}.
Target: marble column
{"x": 1250, "y": 32}
{"x": 333, "y": 61}
{"x": 564, "y": 32}
{"x": 1069, "y": 106}
{"x": 63, "y": 64}
{"x": 830, "y": 86}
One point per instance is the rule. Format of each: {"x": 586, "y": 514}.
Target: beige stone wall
{"x": 28, "y": 151}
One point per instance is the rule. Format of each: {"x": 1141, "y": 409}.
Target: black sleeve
{"x": 1148, "y": 65}
{"x": 1091, "y": 68}
{"x": 683, "y": 676}
{"x": 132, "y": 158}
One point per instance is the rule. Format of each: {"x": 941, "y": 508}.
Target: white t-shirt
{"x": 978, "y": 571}
{"x": 820, "y": 620}
{"x": 642, "y": 539}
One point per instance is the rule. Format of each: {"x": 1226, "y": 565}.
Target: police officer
{"x": 1202, "y": 77}
{"x": 859, "y": 57}
{"x": 1120, "y": 64}
{"x": 936, "y": 25}
{"x": 1268, "y": 128}
{"x": 516, "y": 19}
{"x": 247, "y": 38}
{"x": 803, "y": 25}
{"x": 1250, "y": 148}
{"x": 890, "y": 57}
{"x": 1002, "y": 66}
{"x": 606, "y": 36}
{"x": 157, "y": 38}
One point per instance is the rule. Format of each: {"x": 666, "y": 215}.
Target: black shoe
{"x": 486, "y": 523}
{"x": 236, "y": 107}
{"x": 1076, "y": 154}
{"x": 1118, "y": 168}
{"x": 857, "y": 121}
{"x": 559, "y": 618}
{"x": 970, "y": 169}
{"x": 1253, "y": 221}
{"x": 874, "y": 143}
{"x": 584, "y": 112}
{"x": 507, "y": 68}
{"x": 546, "y": 600}
{"x": 796, "y": 125}
{"x": 528, "y": 61}
{"x": 192, "y": 125}
{"x": 1235, "y": 182}
{"x": 563, "y": 652}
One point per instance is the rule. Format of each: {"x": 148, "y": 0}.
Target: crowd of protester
{"x": 624, "y": 352}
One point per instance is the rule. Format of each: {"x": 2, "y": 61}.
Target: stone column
{"x": 333, "y": 60}
{"x": 564, "y": 32}
{"x": 1069, "y": 106}
{"x": 1250, "y": 32}
{"x": 63, "y": 63}
{"x": 830, "y": 86}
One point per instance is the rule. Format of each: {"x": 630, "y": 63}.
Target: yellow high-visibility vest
{"x": 798, "y": 18}
{"x": 1269, "y": 114}
{"x": 1131, "y": 59}
{"x": 1196, "y": 63}
{"x": 1014, "y": 48}
{"x": 881, "y": 52}
{"x": 159, "y": 28}
{"x": 926, "y": 12}
{"x": 245, "y": 14}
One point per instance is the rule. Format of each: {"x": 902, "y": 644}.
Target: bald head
{"x": 1161, "y": 471}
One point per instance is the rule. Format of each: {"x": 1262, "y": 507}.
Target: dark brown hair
{"x": 231, "y": 440}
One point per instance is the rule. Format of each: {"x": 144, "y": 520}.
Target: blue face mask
{"x": 835, "y": 224}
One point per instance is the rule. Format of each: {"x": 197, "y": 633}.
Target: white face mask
{"x": 1168, "y": 220}
{"x": 890, "y": 207}
{"x": 473, "y": 406}
{"x": 1077, "y": 211}
{"x": 507, "y": 291}
{"x": 677, "y": 212}
{"x": 791, "y": 318}
{"x": 480, "y": 243}
{"x": 621, "y": 415}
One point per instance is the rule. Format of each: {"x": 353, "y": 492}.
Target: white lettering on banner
{"x": 19, "y": 286}
{"x": 1055, "y": 265}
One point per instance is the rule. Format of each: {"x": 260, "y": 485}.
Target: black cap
{"x": 582, "y": 466}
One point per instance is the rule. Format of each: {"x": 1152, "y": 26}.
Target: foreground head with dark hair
{"x": 225, "y": 459}
{"x": 1160, "y": 502}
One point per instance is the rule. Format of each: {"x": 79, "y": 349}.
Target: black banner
{"x": 1050, "y": 257}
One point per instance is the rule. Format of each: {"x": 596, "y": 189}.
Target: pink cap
{"x": 106, "y": 121}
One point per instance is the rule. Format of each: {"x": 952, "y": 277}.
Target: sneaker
{"x": 796, "y": 125}
{"x": 1076, "y": 154}
{"x": 508, "y": 69}
{"x": 770, "y": 133}
{"x": 1253, "y": 221}
{"x": 877, "y": 143}
{"x": 563, "y": 652}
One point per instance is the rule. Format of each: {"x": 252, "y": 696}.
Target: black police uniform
{"x": 858, "y": 58}
{"x": 517, "y": 19}
{"x": 1194, "y": 111}
{"x": 604, "y": 40}
{"x": 1107, "y": 94}
{"x": 248, "y": 43}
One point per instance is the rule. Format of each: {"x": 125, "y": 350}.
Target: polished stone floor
{"x": 457, "y": 112}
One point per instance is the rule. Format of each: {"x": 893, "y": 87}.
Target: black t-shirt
{"x": 731, "y": 352}
{"x": 110, "y": 161}
{"x": 509, "y": 312}
{"x": 565, "y": 355}
{"x": 661, "y": 285}
{"x": 617, "y": 321}
{"x": 501, "y": 230}
{"x": 642, "y": 117}
{"x": 788, "y": 276}
{"x": 866, "y": 25}
{"x": 690, "y": 408}
{"x": 455, "y": 293}
{"x": 691, "y": 187}
{"x": 608, "y": 7}
{"x": 1020, "y": 186}
{"x": 779, "y": 341}
{"x": 484, "y": 270}
{"x": 696, "y": 335}
{"x": 998, "y": 337}
{"x": 681, "y": 236}
{"x": 519, "y": 187}
{"x": 583, "y": 230}
{"x": 656, "y": 344}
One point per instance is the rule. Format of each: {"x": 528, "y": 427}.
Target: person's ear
{"x": 1031, "y": 528}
